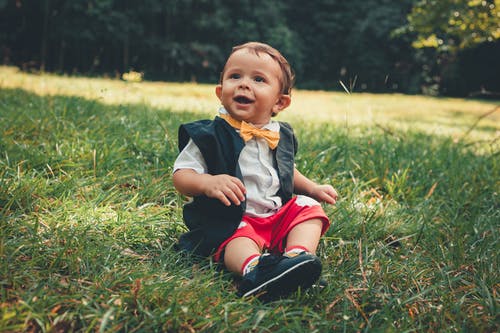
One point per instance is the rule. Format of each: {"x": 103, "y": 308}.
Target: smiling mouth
{"x": 243, "y": 100}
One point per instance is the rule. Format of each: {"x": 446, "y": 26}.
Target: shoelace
{"x": 269, "y": 261}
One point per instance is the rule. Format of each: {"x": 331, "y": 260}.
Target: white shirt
{"x": 257, "y": 168}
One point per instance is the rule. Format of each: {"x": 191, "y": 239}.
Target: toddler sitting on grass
{"x": 239, "y": 168}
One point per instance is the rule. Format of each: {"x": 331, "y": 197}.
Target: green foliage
{"x": 350, "y": 41}
{"x": 453, "y": 25}
{"x": 326, "y": 41}
{"x": 450, "y": 40}
{"x": 89, "y": 215}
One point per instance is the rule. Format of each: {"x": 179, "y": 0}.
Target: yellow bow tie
{"x": 248, "y": 131}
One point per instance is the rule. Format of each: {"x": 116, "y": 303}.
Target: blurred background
{"x": 442, "y": 47}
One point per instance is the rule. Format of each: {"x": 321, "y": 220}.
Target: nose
{"x": 244, "y": 82}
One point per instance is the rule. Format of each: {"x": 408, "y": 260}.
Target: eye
{"x": 234, "y": 76}
{"x": 259, "y": 79}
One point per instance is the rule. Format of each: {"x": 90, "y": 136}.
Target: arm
{"x": 322, "y": 193}
{"x": 226, "y": 188}
{"x": 191, "y": 178}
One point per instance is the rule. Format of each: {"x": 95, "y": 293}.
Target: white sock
{"x": 250, "y": 264}
{"x": 292, "y": 252}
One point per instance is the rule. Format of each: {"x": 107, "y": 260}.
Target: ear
{"x": 218, "y": 91}
{"x": 282, "y": 103}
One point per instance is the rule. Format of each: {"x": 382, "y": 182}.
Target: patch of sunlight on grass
{"x": 442, "y": 116}
{"x": 174, "y": 96}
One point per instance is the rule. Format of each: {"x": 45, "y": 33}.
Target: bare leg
{"x": 306, "y": 234}
{"x": 237, "y": 251}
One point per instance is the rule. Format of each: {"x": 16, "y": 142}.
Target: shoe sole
{"x": 306, "y": 272}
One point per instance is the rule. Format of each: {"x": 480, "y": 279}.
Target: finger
{"x": 330, "y": 198}
{"x": 222, "y": 198}
{"x": 333, "y": 193}
{"x": 240, "y": 186}
{"x": 233, "y": 197}
{"x": 234, "y": 193}
{"x": 239, "y": 190}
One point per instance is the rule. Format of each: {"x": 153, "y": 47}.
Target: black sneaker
{"x": 277, "y": 276}
{"x": 321, "y": 284}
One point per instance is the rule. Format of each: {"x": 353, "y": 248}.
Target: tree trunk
{"x": 43, "y": 48}
{"x": 126, "y": 50}
{"x": 62, "y": 50}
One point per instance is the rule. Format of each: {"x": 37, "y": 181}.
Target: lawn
{"x": 89, "y": 216}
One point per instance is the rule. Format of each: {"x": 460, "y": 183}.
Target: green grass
{"x": 89, "y": 214}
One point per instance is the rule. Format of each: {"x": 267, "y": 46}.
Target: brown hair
{"x": 288, "y": 76}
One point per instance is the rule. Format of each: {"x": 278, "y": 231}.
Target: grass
{"x": 89, "y": 214}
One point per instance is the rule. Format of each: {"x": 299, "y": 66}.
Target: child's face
{"x": 251, "y": 87}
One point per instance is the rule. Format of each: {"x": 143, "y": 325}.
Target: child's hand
{"x": 225, "y": 188}
{"x": 324, "y": 193}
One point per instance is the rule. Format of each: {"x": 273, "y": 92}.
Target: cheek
{"x": 268, "y": 96}
{"x": 227, "y": 89}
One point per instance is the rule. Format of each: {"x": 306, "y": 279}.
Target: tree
{"x": 351, "y": 41}
{"x": 442, "y": 30}
{"x": 454, "y": 25}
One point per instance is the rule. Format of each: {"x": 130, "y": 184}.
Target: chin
{"x": 240, "y": 114}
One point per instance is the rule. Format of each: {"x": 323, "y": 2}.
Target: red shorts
{"x": 271, "y": 232}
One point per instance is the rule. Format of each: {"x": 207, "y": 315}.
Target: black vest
{"x": 209, "y": 221}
